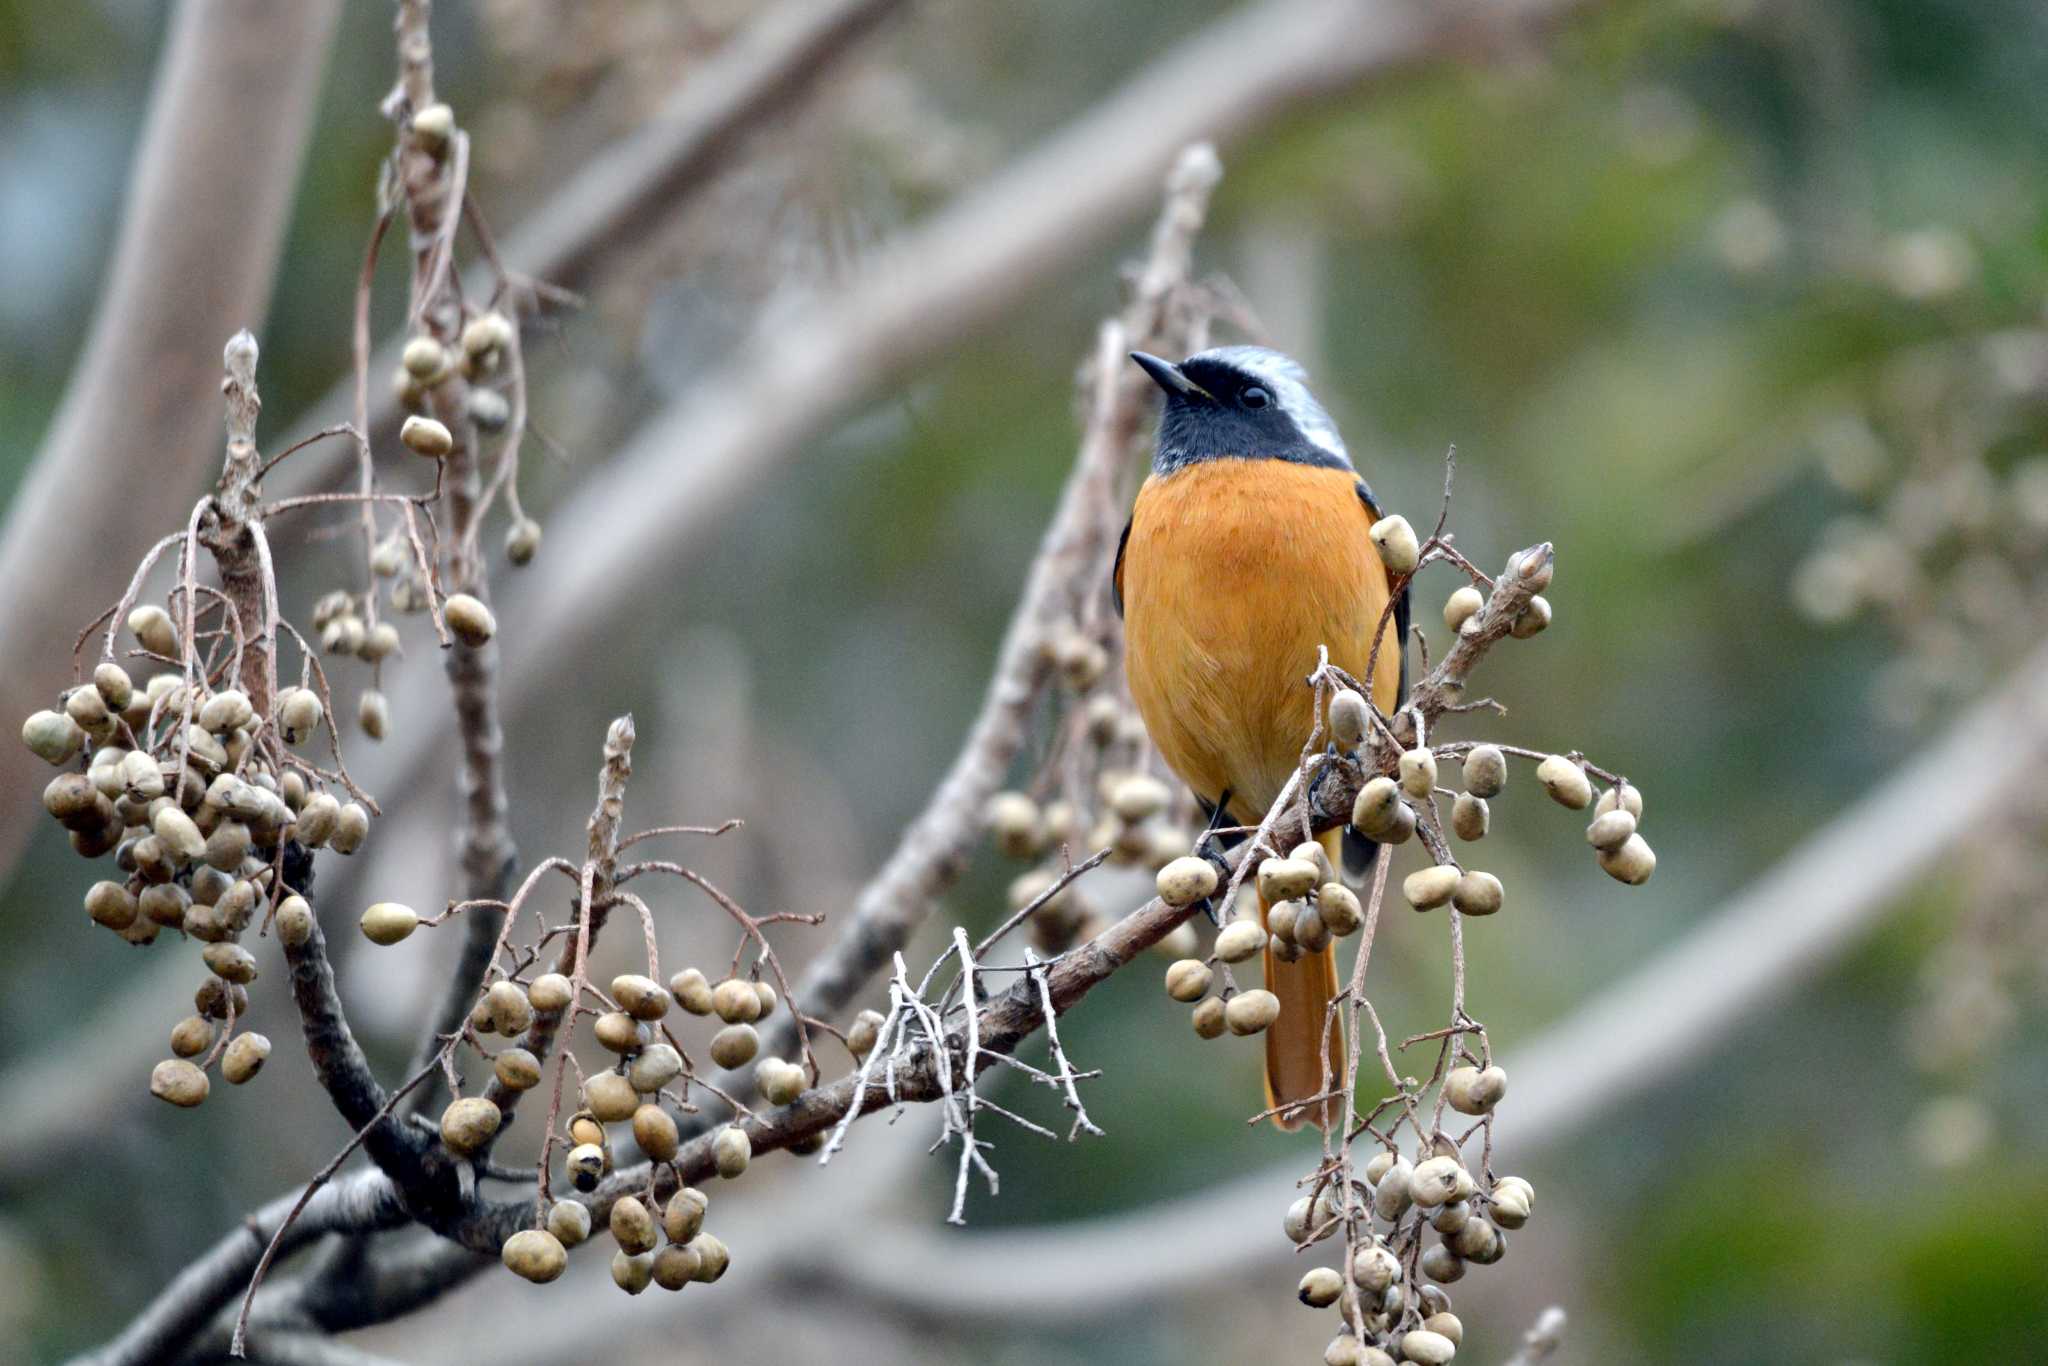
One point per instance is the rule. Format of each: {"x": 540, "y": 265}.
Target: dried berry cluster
{"x": 210, "y": 812}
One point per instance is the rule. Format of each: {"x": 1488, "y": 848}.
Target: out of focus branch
{"x": 1789, "y": 925}
{"x": 623, "y": 191}
{"x": 201, "y": 231}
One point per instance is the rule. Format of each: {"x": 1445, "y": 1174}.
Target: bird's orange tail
{"x": 1294, "y": 1041}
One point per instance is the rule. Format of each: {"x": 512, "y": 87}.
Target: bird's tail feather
{"x": 1295, "y": 1048}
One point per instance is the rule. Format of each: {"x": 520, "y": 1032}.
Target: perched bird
{"x": 1247, "y": 549}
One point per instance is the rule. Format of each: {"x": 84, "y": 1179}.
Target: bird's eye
{"x": 1255, "y": 397}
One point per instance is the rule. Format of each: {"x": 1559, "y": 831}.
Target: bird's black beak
{"x": 1168, "y": 376}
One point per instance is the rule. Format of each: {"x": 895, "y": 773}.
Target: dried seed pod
{"x": 1209, "y": 1019}
{"x": 351, "y": 828}
{"x": 227, "y": 711}
{"x": 713, "y": 1258}
{"x": 779, "y": 1082}
{"x": 632, "y": 1274}
{"x": 425, "y": 436}
{"x": 1392, "y": 1195}
{"x": 1470, "y": 817}
{"x": 294, "y": 922}
{"x": 1536, "y": 566}
{"x": 516, "y": 1069}
{"x": 584, "y": 1128}
{"x": 151, "y": 626}
{"x": 1486, "y": 771}
{"x": 1433, "y": 1299}
{"x": 1309, "y": 930}
{"x": 655, "y": 1131}
{"x": 215, "y": 998}
{"x": 1632, "y": 862}
{"x": 535, "y": 1255}
{"x": 111, "y": 904}
{"x": 569, "y": 1221}
{"x": 1624, "y": 797}
{"x": 1377, "y": 1167}
{"x": 1565, "y": 781}
{"x": 735, "y": 1046}
{"x": 380, "y": 642}
{"x": 1188, "y": 980}
{"x": 373, "y": 713}
{"x": 485, "y": 333}
{"x": 1374, "y": 1268}
{"x": 53, "y": 736}
{"x": 586, "y": 1164}
{"x": 1532, "y": 619}
{"x": 1312, "y": 852}
{"x": 618, "y": 1032}
{"x": 1280, "y": 920}
{"x": 1287, "y": 879}
{"x": 736, "y": 1001}
{"x": 1510, "y": 1205}
{"x": 1339, "y": 908}
{"x": 522, "y": 540}
{"x": 731, "y": 1151}
{"x": 244, "y": 1058}
{"x": 178, "y": 1081}
{"x": 227, "y": 846}
{"x": 1080, "y": 661}
{"x": 387, "y": 922}
{"x": 426, "y": 360}
{"x": 1478, "y": 1242}
{"x": 141, "y": 931}
{"x": 550, "y": 992}
{"x": 1239, "y": 940}
{"x": 469, "y": 619}
{"x": 1378, "y": 806}
{"x": 191, "y": 1036}
{"x": 684, "y": 1216}
{"x": 1418, "y": 773}
{"x": 610, "y": 1097}
{"x": 317, "y": 820}
{"x": 1477, "y": 894}
{"x": 1295, "y": 1223}
{"x": 1248, "y": 1012}
{"x": 1350, "y": 715}
{"x": 115, "y": 687}
{"x": 179, "y": 835}
{"x": 1138, "y": 797}
{"x": 1431, "y": 887}
{"x": 654, "y": 1067}
{"x": 1345, "y": 1350}
{"x": 1435, "y": 1181}
{"x": 1320, "y": 1287}
{"x": 230, "y": 962}
{"x": 641, "y": 997}
{"x": 298, "y": 713}
{"x": 691, "y": 991}
{"x": 1610, "y": 830}
{"x": 1474, "y": 1090}
{"x": 511, "y": 1012}
{"x": 864, "y": 1033}
{"x": 1462, "y": 606}
{"x": 468, "y": 1124}
{"x": 1442, "y": 1265}
{"x": 1396, "y": 542}
{"x": 1185, "y": 881}
{"x": 1014, "y": 824}
{"x": 1426, "y": 1348}
{"x": 676, "y": 1265}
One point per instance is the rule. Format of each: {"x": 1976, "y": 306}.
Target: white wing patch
{"x": 1289, "y": 383}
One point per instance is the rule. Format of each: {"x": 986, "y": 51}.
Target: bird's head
{"x": 1241, "y": 402}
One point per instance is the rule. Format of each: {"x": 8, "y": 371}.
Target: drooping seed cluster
{"x": 209, "y": 808}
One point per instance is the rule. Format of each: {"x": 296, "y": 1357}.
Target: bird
{"x": 1247, "y": 549}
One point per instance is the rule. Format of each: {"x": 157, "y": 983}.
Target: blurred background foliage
{"x": 1687, "y": 286}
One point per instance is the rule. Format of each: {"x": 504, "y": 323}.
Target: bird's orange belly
{"x": 1235, "y": 574}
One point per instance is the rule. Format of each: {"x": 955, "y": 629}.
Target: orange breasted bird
{"x": 1247, "y": 549}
